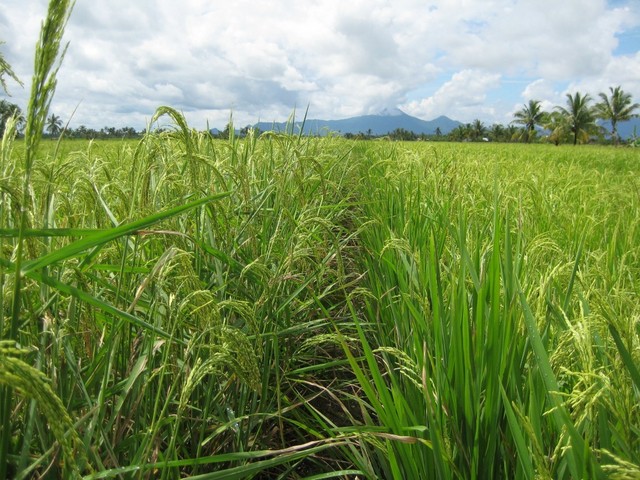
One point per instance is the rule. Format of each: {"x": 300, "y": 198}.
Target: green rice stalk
{"x": 48, "y": 57}
{"x": 28, "y": 381}
{"x": 582, "y": 463}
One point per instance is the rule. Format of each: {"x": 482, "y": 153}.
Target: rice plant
{"x": 480, "y": 330}
{"x": 283, "y": 307}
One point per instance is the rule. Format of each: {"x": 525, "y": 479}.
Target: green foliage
{"x": 558, "y": 126}
{"x": 616, "y": 108}
{"x": 54, "y": 125}
{"x": 530, "y": 116}
{"x": 48, "y": 55}
{"x": 34, "y": 384}
{"x": 580, "y": 116}
{"x": 376, "y": 302}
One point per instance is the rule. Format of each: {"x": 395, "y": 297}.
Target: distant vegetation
{"x": 576, "y": 122}
{"x": 579, "y": 121}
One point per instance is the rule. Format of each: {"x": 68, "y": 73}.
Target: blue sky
{"x": 466, "y": 59}
{"x": 629, "y": 42}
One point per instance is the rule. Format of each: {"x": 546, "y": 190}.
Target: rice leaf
{"x": 102, "y": 237}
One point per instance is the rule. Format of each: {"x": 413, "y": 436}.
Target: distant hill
{"x": 385, "y": 122}
{"x": 625, "y": 129}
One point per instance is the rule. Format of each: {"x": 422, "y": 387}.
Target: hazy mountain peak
{"x": 391, "y": 112}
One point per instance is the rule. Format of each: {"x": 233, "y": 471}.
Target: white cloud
{"x": 623, "y": 71}
{"x": 538, "y": 89}
{"x": 542, "y": 90}
{"x": 262, "y": 59}
{"x": 463, "y": 97}
{"x": 545, "y": 38}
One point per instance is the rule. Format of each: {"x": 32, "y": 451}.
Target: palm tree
{"x": 579, "y": 116}
{"x": 497, "y": 132}
{"x": 530, "y": 116}
{"x": 460, "y": 133}
{"x": 478, "y": 130}
{"x": 54, "y": 125}
{"x": 511, "y": 133}
{"x": 616, "y": 108}
{"x": 558, "y": 125}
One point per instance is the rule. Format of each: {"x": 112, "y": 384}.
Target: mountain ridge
{"x": 388, "y": 120}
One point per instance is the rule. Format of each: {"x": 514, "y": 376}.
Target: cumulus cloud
{"x": 262, "y": 59}
{"x": 623, "y": 71}
{"x": 463, "y": 97}
{"x": 542, "y": 90}
{"x": 544, "y": 38}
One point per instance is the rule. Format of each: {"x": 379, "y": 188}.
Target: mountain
{"x": 385, "y": 122}
{"x": 626, "y": 130}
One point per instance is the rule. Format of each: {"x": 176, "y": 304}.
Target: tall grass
{"x": 480, "y": 330}
{"x": 279, "y": 306}
{"x": 47, "y": 57}
{"x": 283, "y": 307}
{"x": 184, "y": 338}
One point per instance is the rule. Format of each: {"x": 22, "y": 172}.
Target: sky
{"x": 261, "y": 61}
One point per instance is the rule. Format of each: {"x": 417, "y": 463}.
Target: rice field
{"x": 285, "y": 307}
{"x": 292, "y": 307}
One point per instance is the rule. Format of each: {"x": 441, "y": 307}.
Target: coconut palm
{"x": 478, "y": 130}
{"x": 54, "y": 125}
{"x": 530, "y": 116}
{"x": 511, "y": 133}
{"x": 558, "y": 126}
{"x": 616, "y": 108}
{"x": 460, "y": 133}
{"x": 579, "y": 116}
{"x": 497, "y": 132}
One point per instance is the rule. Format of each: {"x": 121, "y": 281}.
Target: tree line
{"x": 575, "y": 122}
{"x": 54, "y": 126}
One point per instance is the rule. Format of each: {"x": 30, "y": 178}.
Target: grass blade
{"x": 104, "y": 236}
{"x": 580, "y": 457}
{"x": 626, "y": 356}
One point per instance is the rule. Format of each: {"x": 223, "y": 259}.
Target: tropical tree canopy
{"x": 558, "y": 126}
{"x": 616, "y": 108}
{"x": 54, "y": 125}
{"x": 530, "y": 116}
{"x": 579, "y": 116}
{"x": 478, "y": 130}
